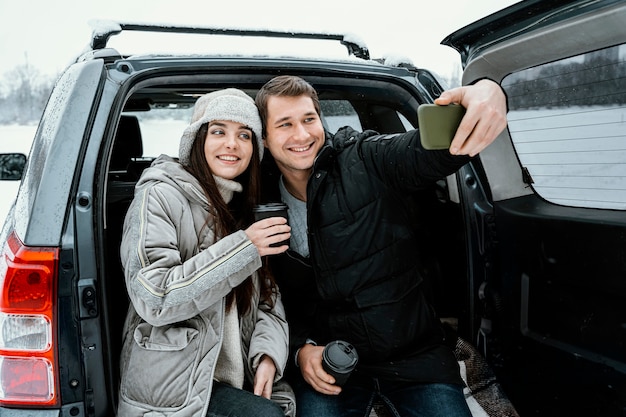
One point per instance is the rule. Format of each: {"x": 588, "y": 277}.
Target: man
{"x": 352, "y": 271}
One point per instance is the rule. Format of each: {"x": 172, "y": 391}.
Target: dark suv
{"x": 527, "y": 243}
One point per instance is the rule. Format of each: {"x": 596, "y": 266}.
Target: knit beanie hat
{"x": 228, "y": 104}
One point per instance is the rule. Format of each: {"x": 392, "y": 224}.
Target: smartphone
{"x": 438, "y": 124}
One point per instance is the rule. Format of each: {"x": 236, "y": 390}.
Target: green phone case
{"x": 438, "y": 124}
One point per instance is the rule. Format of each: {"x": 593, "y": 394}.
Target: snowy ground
{"x": 13, "y": 139}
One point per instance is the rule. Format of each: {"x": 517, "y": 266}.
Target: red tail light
{"x": 28, "y": 282}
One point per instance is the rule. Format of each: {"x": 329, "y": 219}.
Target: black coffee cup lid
{"x": 341, "y": 355}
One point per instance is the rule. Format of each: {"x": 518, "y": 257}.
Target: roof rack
{"x": 106, "y": 29}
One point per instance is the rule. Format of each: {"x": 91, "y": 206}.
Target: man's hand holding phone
{"x": 438, "y": 124}
{"x": 485, "y": 115}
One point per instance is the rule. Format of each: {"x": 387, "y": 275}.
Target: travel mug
{"x": 339, "y": 359}
{"x": 263, "y": 211}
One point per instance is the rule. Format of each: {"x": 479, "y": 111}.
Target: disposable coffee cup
{"x": 263, "y": 211}
{"x": 339, "y": 359}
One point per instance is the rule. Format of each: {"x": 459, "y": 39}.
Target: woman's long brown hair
{"x": 233, "y": 216}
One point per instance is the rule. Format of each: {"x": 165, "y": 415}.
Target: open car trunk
{"x": 546, "y": 219}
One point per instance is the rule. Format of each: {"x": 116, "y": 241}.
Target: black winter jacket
{"x": 362, "y": 282}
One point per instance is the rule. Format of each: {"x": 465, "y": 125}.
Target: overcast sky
{"x": 50, "y": 33}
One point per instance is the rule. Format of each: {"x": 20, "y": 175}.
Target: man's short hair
{"x": 284, "y": 85}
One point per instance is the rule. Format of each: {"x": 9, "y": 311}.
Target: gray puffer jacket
{"x": 177, "y": 275}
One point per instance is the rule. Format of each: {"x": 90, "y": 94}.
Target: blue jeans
{"x": 233, "y": 402}
{"x": 402, "y": 399}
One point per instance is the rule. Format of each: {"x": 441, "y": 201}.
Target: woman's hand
{"x": 268, "y": 231}
{"x": 264, "y": 377}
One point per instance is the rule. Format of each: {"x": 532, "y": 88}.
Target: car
{"x": 526, "y": 243}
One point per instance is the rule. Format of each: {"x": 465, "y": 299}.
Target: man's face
{"x": 294, "y": 133}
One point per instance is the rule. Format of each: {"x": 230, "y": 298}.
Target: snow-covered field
{"x": 13, "y": 138}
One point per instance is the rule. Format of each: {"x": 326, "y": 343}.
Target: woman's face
{"x": 228, "y": 148}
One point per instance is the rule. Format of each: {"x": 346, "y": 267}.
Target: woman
{"x": 206, "y": 332}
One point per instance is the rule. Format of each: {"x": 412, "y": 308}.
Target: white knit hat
{"x": 228, "y": 104}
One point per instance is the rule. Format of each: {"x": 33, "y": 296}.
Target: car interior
{"x": 363, "y": 104}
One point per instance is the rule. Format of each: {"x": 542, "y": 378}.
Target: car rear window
{"x": 161, "y": 129}
{"x": 567, "y": 121}
{"x": 339, "y": 113}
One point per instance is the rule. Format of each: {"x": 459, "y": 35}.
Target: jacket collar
{"x": 326, "y": 153}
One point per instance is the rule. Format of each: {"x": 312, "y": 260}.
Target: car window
{"x": 339, "y": 113}
{"x": 161, "y": 127}
{"x": 161, "y": 130}
{"x": 567, "y": 121}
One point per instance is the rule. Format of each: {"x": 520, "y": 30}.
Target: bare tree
{"x": 23, "y": 94}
